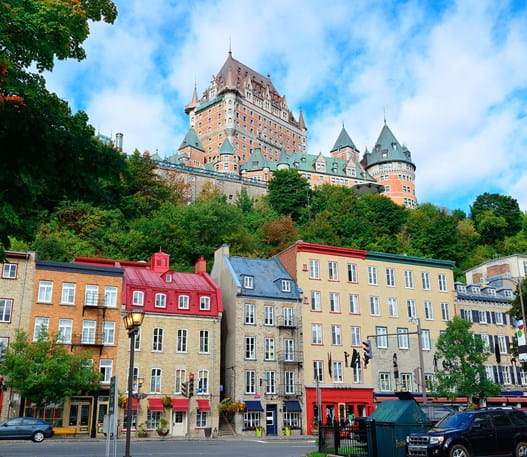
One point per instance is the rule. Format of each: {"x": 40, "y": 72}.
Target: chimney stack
{"x": 201, "y": 266}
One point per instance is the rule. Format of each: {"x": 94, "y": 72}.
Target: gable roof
{"x": 267, "y": 275}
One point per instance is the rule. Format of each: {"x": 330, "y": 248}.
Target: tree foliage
{"x": 45, "y": 371}
{"x": 460, "y": 360}
{"x": 289, "y": 193}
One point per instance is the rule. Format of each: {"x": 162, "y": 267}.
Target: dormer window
{"x": 138, "y": 298}
{"x": 507, "y": 293}
{"x": 183, "y": 302}
{"x": 491, "y": 291}
{"x": 474, "y": 290}
{"x": 248, "y": 282}
{"x": 168, "y": 278}
{"x": 286, "y": 285}
{"x": 461, "y": 289}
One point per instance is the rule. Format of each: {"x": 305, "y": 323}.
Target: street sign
{"x": 113, "y": 395}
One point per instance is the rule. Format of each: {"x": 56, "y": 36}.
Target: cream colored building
{"x": 351, "y": 296}
{"x": 16, "y": 297}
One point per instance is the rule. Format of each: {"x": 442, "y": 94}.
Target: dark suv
{"x": 484, "y": 432}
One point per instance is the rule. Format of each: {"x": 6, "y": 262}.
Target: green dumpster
{"x": 393, "y": 421}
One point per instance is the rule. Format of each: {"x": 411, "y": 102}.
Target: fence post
{"x": 373, "y": 444}
{"x": 336, "y": 436}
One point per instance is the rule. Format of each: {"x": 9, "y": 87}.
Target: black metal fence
{"x": 355, "y": 440}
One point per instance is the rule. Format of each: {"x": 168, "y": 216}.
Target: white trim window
{"x": 425, "y": 339}
{"x": 318, "y": 370}
{"x": 357, "y": 373}
{"x": 445, "y": 311}
{"x": 316, "y": 333}
{"x": 204, "y": 303}
{"x": 248, "y": 282}
{"x": 336, "y": 335}
{"x": 334, "y": 302}
{"x": 288, "y": 314}
{"x": 105, "y": 368}
{"x": 315, "y": 300}
{"x": 182, "y": 340}
{"x": 108, "y": 333}
{"x": 333, "y": 272}
{"x": 372, "y": 275}
{"x": 250, "y": 314}
{"x": 408, "y": 279}
{"x": 203, "y": 382}
{"x": 441, "y": 280}
{"x": 161, "y": 300}
{"x": 352, "y": 272}
{"x": 268, "y": 315}
{"x": 406, "y": 382}
{"x": 381, "y": 338}
{"x": 65, "y": 331}
{"x": 489, "y": 373}
{"x": 412, "y": 311}
{"x": 483, "y": 317}
{"x": 110, "y": 296}
{"x": 505, "y": 370}
{"x": 155, "y": 380}
{"x": 393, "y": 310}
{"x": 137, "y": 345}
{"x": 157, "y": 340}
{"x": 88, "y": 332}
{"x": 91, "y": 295}
{"x": 6, "y": 308}
{"x": 250, "y": 382}
{"x": 314, "y": 269}
{"x": 204, "y": 341}
{"x": 502, "y": 344}
{"x": 355, "y": 336}
{"x": 45, "y": 291}
{"x": 180, "y": 377}
{"x": 286, "y": 285}
{"x": 499, "y": 318}
{"x": 337, "y": 372}
{"x": 289, "y": 350}
{"x": 270, "y": 382}
{"x": 289, "y": 383}
{"x": 269, "y": 349}
{"x": 354, "y": 304}
{"x": 138, "y": 298}
{"x": 67, "y": 296}
{"x": 425, "y": 280}
{"x": 250, "y": 348}
{"x": 384, "y": 382}
{"x": 403, "y": 339}
{"x": 374, "y": 306}
{"x": 183, "y": 302}
{"x": 390, "y": 277}
{"x": 9, "y": 270}
{"x": 429, "y": 310}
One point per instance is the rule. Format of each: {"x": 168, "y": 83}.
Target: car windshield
{"x": 454, "y": 421}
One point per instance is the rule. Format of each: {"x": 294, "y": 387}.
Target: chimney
{"x": 201, "y": 266}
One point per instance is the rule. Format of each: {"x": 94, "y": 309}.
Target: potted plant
{"x": 287, "y": 430}
{"x": 163, "y": 429}
{"x": 141, "y": 430}
{"x": 259, "y": 430}
{"x": 121, "y": 401}
{"x": 166, "y": 401}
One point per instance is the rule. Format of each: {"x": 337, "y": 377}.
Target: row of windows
{"x": 289, "y": 354}
{"x": 181, "y": 376}
{"x": 67, "y": 297}
{"x": 248, "y": 283}
{"x": 89, "y": 333}
{"x": 375, "y": 307}
{"x": 405, "y": 382}
{"x": 182, "y": 340}
{"x": 483, "y": 317}
{"x": 403, "y": 340}
{"x": 270, "y": 378}
{"x": 138, "y": 299}
{"x": 269, "y": 317}
{"x": 336, "y": 371}
{"x": 252, "y": 419}
{"x": 373, "y": 279}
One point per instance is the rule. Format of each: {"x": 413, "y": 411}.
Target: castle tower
{"x": 227, "y": 162}
{"x": 344, "y": 148}
{"x": 391, "y": 165}
{"x": 191, "y": 152}
{"x": 244, "y": 107}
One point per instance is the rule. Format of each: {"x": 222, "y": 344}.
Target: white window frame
{"x": 6, "y": 309}
{"x": 45, "y": 291}
{"x": 106, "y": 369}
{"x": 334, "y": 302}
{"x": 250, "y": 314}
{"x": 286, "y": 285}
{"x": 250, "y": 382}
{"x": 250, "y": 348}
{"x": 314, "y": 269}
{"x": 336, "y": 335}
{"x": 183, "y": 302}
{"x": 338, "y": 376}
{"x": 270, "y": 382}
{"x": 110, "y": 296}
{"x": 203, "y": 382}
{"x": 393, "y": 307}
{"x": 204, "y": 303}
{"x": 289, "y": 316}
{"x": 315, "y": 301}
{"x": 375, "y": 308}
{"x": 108, "y": 333}
{"x": 445, "y": 311}
{"x": 354, "y": 304}
{"x": 429, "y": 310}
{"x": 269, "y": 349}
{"x": 65, "y": 331}
{"x": 390, "y": 277}
{"x": 425, "y": 280}
{"x": 441, "y": 280}
{"x": 179, "y": 378}
{"x": 333, "y": 272}
{"x": 406, "y": 382}
{"x": 352, "y": 272}
{"x": 372, "y": 275}
{"x": 318, "y": 370}
{"x": 160, "y": 300}
{"x": 316, "y": 334}
{"x": 385, "y": 381}
{"x": 426, "y": 342}
{"x": 204, "y": 343}
{"x": 91, "y": 295}
{"x": 9, "y": 270}
{"x": 138, "y": 298}
{"x": 67, "y": 296}
{"x": 155, "y": 380}
{"x": 381, "y": 338}
{"x": 269, "y": 315}
{"x": 403, "y": 339}
{"x": 89, "y": 332}
{"x": 408, "y": 279}
{"x": 248, "y": 282}
{"x": 157, "y": 339}
{"x": 411, "y": 308}
{"x": 182, "y": 340}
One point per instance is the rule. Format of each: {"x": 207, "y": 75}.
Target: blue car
{"x": 25, "y": 428}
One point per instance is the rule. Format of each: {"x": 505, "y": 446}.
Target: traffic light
{"x": 367, "y": 352}
{"x": 190, "y": 385}
{"x": 184, "y": 389}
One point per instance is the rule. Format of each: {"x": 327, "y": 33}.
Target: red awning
{"x": 505, "y": 399}
{"x": 155, "y": 404}
{"x": 135, "y": 404}
{"x": 203, "y": 405}
{"x": 180, "y": 404}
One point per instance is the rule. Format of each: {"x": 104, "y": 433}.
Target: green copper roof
{"x": 387, "y": 149}
{"x": 191, "y": 139}
{"x": 407, "y": 259}
{"x": 226, "y": 147}
{"x": 256, "y": 162}
{"x": 209, "y": 102}
{"x": 343, "y": 141}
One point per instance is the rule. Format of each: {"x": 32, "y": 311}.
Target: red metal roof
{"x": 180, "y": 281}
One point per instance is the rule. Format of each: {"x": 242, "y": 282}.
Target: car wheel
{"x": 38, "y": 437}
{"x": 457, "y": 450}
{"x": 521, "y": 449}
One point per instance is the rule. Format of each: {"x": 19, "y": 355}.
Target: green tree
{"x": 289, "y": 193}
{"x": 45, "y": 371}
{"x": 461, "y": 357}
{"x": 496, "y": 216}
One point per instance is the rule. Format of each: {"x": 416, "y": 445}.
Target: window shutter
{"x": 507, "y": 344}
{"x": 488, "y": 317}
{"x": 500, "y": 374}
{"x": 493, "y": 314}
{"x": 495, "y": 369}
{"x": 462, "y": 312}
{"x": 518, "y": 375}
{"x": 475, "y": 315}
{"x": 505, "y": 318}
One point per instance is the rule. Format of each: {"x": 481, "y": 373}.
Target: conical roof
{"x": 387, "y": 149}
{"x": 343, "y": 141}
{"x": 226, "y": 147}
{"x": 191, "y": 140}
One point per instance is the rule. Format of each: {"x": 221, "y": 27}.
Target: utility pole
{"x": 421, "y": 360}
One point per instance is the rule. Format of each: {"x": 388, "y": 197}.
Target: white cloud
{"x": 452, "y": 81}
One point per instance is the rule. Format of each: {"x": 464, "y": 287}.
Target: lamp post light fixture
{"x": 132, "y": 322}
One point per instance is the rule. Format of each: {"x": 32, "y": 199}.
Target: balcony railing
{"x": 290, "y": 356}
{"x": 290, "y": 390}
{"x": 283, "y": 322}
{"x": 91, "y": 339}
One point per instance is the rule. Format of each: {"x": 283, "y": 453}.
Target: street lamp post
{"x": 132, "y": 322}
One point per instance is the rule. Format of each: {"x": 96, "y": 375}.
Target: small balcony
{"x": 293, "y": 357}
{"x": 91, "y": 339}
{"x": 290, "y": 390}
{"x": 283, "y": 322}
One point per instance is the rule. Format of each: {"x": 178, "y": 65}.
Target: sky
{"x": 449, "y": 77}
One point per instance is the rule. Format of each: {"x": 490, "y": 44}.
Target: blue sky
{"x": 451, "y": 77}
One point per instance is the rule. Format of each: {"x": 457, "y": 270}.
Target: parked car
{"x": 478, "y": 433}
{"x": 436, "y": 412}
{"x": 25, "y": 428}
